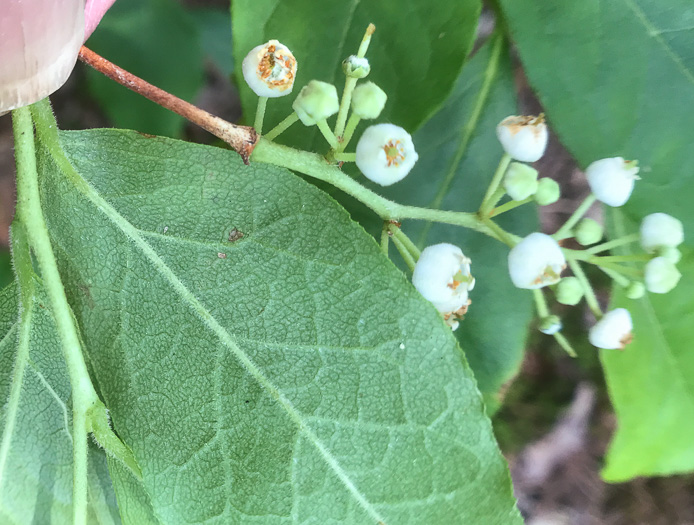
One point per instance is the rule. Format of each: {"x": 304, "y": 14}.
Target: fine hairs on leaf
{"x": 194, "y": 337}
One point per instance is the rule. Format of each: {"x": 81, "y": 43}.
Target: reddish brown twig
{"x": 242, "y": 138}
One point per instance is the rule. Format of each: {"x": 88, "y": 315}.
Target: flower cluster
{"x": 385, "y": 154}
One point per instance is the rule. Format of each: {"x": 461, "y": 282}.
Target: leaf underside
{"x": 291, "y": 375}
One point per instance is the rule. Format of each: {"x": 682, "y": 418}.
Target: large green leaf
{"x": 158, "y": 41}
{"x": 617, "y": 78}
{"x": 291, "y": 375}
{"x": 458, "y": 152}
{"x": 36, "y": 417}
{"x": 416, "y": 53}
{"x": 652, "y": 382}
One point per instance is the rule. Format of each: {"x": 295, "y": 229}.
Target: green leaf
{"x": 36, "y": 420}
{"x": 651, "y": 383}
{"x": 214, "y": 26}
{"x": 416, "y": 52}
{"x": 458, "y": 153}
{"x": 617, "y": 78}
{"x": 158, "y": 41}
{"x": 289, "y": 375}
{"x": 6, "y": 276}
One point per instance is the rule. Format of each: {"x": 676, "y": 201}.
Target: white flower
{"x": 536, "y": 261}
{"x": 385, "y": 154}
{"x": 550, "y": 325}
{"x": 524, "y": 138}
{"x": 661, "y": 275}
{"x": 368, "y": 100}
{"x": 520, "y": 181}
{"x": 612, "y": 180}
{"x": 270, "y": 70}
{"x": 660, "y": 230}
{"x": 442, "y": 276}
{"x": 316, "y": 101}
{"x": 356, "y": 67}
{"x": 613, "y": 331}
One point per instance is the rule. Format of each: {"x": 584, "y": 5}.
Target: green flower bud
{"x": 548, "y": 191}
{"x": 569, "y": 291}
{"x": 661, "y": 276}
{"x": 550, "y": 325}
{"x": 520, "y": 181}
{"x": 588, "y": 231}
{"x": 635, "y": 290}
{"x": 356, "y": 67}
{"x": 671, "y": 253}
{"x": 316, "y": 101}
{"x": 368, "y": 100}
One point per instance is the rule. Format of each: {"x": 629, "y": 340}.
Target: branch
{"x": 241, "y": 138}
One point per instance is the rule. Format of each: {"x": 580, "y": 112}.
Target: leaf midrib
{"x": 654, "y": 33}
{"x": 82, "y": 186}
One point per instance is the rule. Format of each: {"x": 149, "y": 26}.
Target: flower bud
{"x": 368, "y": 100}
{"x": 536, "y": 261}
{"x": 661, "y": 275}
{"x": 635, "y": 290}
{"x": 356, "y": 67}
{"x": 569, "y": 291}
{"x": 385, "y": 154}
{"x": 548, "y": 191}
{"x": 660, "y": 230}
{"x": 550, "y": 325}
{"x": 613, "y": 331}
{"x": 588, "y": 231}
{"x": 612, "y": 180}
{"x": 316, "y": 101}
{"x": 671, "y": 253}
{"x": 520, "y": 181}
{"x": 523, "y": 138}
{"x": 442, "y": 276}
{"x": 270, "y": 70}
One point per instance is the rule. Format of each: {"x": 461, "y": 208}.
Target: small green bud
{"x": 569, "y": 291}
{"x": 550, "y": 325}
{"x": 661, "y": 276}
{"x": 368, "y": 100}
{"x": 316, "y": 101}
{"x": 635, "y": 290}
{"x": 520, "y": 181}
{"x": 548, "y": 191}
{"x": 588, "y": 231}
{"x": 356, "y": 67}
{"x": 671, "y": 253}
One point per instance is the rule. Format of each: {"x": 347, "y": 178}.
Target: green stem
{"x": 352, "y": 124}
{"x": 625, "y": 270}
{"x": 405, "y": 240}
{"x": 614, "y": 243}
{"x": 260, "y": 114}
{"x": 345, "y": 102}
{"x": 345, "y": 157}
{"x": 282, "y": 126}
{"x": 404, "y": 252}
{"x": 316, "y": 166}
{"x": 565, "y": 231}
{"x": 588, "y": 292}
{"x": 385, "y": 237}
{"x": 501, "y": 234}
{"x": 616, "y": 276}
{"x": 635, "y": 257}
{"x": 30, "y": 214}
{"x": 98, "y": 423}
{"x": 540, "y": 303}
{"x": 564, "y": 343}
{"x": 485, "y": 206}
{"x": 327, "y": 133}
{"x": 510, "y": 205}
